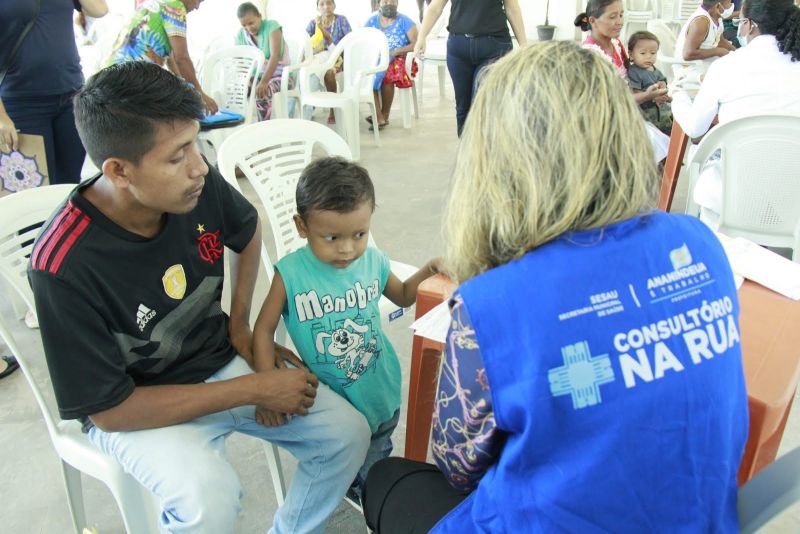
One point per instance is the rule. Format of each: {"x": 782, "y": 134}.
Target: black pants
{"x": 406, "y": 497}
{"x": 466, "y": 58}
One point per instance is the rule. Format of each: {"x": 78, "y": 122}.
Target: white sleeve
{"x": 695, "y": 117}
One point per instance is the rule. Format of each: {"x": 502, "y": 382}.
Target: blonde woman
{"x": 593, "y": 377}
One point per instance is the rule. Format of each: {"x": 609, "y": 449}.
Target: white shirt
{"x": 712, "y": 38}
{"x": 757, "y": 79}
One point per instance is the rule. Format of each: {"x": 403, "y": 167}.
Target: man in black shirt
{"x": 127, "y": 275}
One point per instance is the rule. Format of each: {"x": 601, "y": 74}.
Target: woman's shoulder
{"x": 270, "y": 25}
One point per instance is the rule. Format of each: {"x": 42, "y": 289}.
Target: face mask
{"x": 389, "y": 12}
{"x": 742, "y": 38}
{"x": 728, "y": 12}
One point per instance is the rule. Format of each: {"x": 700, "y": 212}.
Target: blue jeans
{"x": 199, "y": 491}
{"x": 466, "y": 57}
{"x": 380, "y": 447}
{"x": 52, "y": 118}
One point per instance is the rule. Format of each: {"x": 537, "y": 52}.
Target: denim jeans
{"x": 52, "y": 118}
{"x": 466, "y": 57}
{"x": 380, "y": 447}
{"x": 199, "y": 491}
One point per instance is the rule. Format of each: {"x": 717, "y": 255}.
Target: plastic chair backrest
{"x": 761, "y": 176}
{"x": 666, "y": 36}
{"x": 299, "y": 46}
{"x": 227, "y": 76}
{"x": 363, "y": 49}
{"x": 638, "y": 5}
{"x": 272, "y": 154}
{"x": 685, "y": 8}
{"x": 21, "y": 216}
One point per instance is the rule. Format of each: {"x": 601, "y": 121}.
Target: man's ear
{"x": 119, "y": 171}
{"x": 300, "y": 224}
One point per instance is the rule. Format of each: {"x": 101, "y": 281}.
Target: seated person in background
{"x": 701, "y": 37}
{"x": 326, "y": 30}
{"x": 571, "y": 364}
{"x": 266, "y": 35}
{"x": 642, "y": 73}
{"x": 339, "y": 339}
{"x": 402, "y": 35}
{"x": 127, "y": 277}
{"x": 761, "y": 78}
{"x": 157, "y": 33}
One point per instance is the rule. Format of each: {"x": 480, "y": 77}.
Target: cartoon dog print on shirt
{"x": 347, "y": 345}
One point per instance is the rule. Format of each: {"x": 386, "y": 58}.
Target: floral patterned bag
{"x": 24, "y": 168}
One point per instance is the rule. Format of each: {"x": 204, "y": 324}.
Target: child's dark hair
{"x": 780, "y": 18}
{"x": 246, "y": 9}
{"x": 594, "y": 8}
{"x": 333, "y": 184}
{"x": 641, "y": 36}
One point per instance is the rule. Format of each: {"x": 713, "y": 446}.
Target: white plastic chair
{"x": 137, "y": 505}
{"x": 436, "y": 53}
{"x": 272, "y": 155}
{"x": 666, "y": 58}
{"x": 365, "y": 52}
{"x": 638, "y": 13}
{"x": 761, "y": 179}
{"x": 408, "y": 96}
{"x": 227, "y": 77}
{"x": 300, "y": 55}
{"x": 683, "y": 9}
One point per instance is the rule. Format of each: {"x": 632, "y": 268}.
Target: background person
{"x": 326, "y": 30}
{"x": 36, "y": 91}
{"x": 551, "y": 406}
{"x": 478, "y": 36}
{"x": 701, "y": 36}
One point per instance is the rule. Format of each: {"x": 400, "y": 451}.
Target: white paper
{"x": 434, "y": 324}
{"x": 763, "y": 266}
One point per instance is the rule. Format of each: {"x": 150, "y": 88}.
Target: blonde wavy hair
{"x": 554, "y": 143}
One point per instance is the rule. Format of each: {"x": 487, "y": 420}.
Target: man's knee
{"x": 209, "y": 500}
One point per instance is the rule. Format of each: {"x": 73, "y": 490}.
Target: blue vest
{"x": 615, "y": 368}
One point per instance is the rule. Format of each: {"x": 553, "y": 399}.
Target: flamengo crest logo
{"x": 208, "y": 245}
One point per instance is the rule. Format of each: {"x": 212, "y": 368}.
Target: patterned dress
{"x": 618, "y": 58}
{"x": 338, "y": 29}
{"x": 147, "y": 35}
{"x": 264, "y": 105}
{"x": 397, "y": 34}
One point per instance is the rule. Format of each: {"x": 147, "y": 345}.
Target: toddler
{"x": 642, "y": 73}
{"x": 328, "y": 293}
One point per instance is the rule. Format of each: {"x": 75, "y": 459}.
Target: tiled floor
{"x": 411, "y": 171}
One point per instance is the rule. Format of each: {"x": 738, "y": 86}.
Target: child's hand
{"x": 269, "y": 418}
{"x": 284, "y": 355}
{"x": 654, "y": 91}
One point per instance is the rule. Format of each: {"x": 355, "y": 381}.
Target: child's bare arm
{"x": 404, "y": 294}
{"x": 266, "y": 324}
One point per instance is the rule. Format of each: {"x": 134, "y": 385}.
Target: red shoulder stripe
{"x": 44, "y": 242}
{"x": 69, "y": 242}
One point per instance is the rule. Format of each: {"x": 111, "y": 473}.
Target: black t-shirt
{"x": 118, "y": 310}
{"x": 47, "y": 62}
{"x": 478, "y": 17}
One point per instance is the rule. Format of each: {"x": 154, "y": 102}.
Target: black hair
{"x": 594, "y": 8}
{"x": 334, "y": 2}
{"x": 118, "y": 109}
{"x": 333, "y": 184}
{"x": 641, "y": 36}
{"x": 247, "y": 8}
{"x": 780, "y": 18}
{"x": 710, "y": 3}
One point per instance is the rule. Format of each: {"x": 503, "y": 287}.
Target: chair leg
{"x": 375, "y": 130}
{"x": 441, "y": 81}
{"x": 74, "y": 487}
{"x": 136, "y": 504}
{"x": 405, "y": 97}
{"x": 415, "y": 100}
{"x": 276, "y": 471}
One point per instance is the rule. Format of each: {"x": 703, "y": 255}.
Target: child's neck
{"x": 652, "y": 68}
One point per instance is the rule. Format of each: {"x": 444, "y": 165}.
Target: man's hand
{"x": 209, "y": 103}
{"x": 289, "y": 391}
{"x": 9, "y": 140}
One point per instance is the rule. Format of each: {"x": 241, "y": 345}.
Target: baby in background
{"x": 328, "y": 293}
{"x": 642, "y": 73}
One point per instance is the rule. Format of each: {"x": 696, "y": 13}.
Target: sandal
{"x": 11, "y": 366}
{"x": 380, "y": 126}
